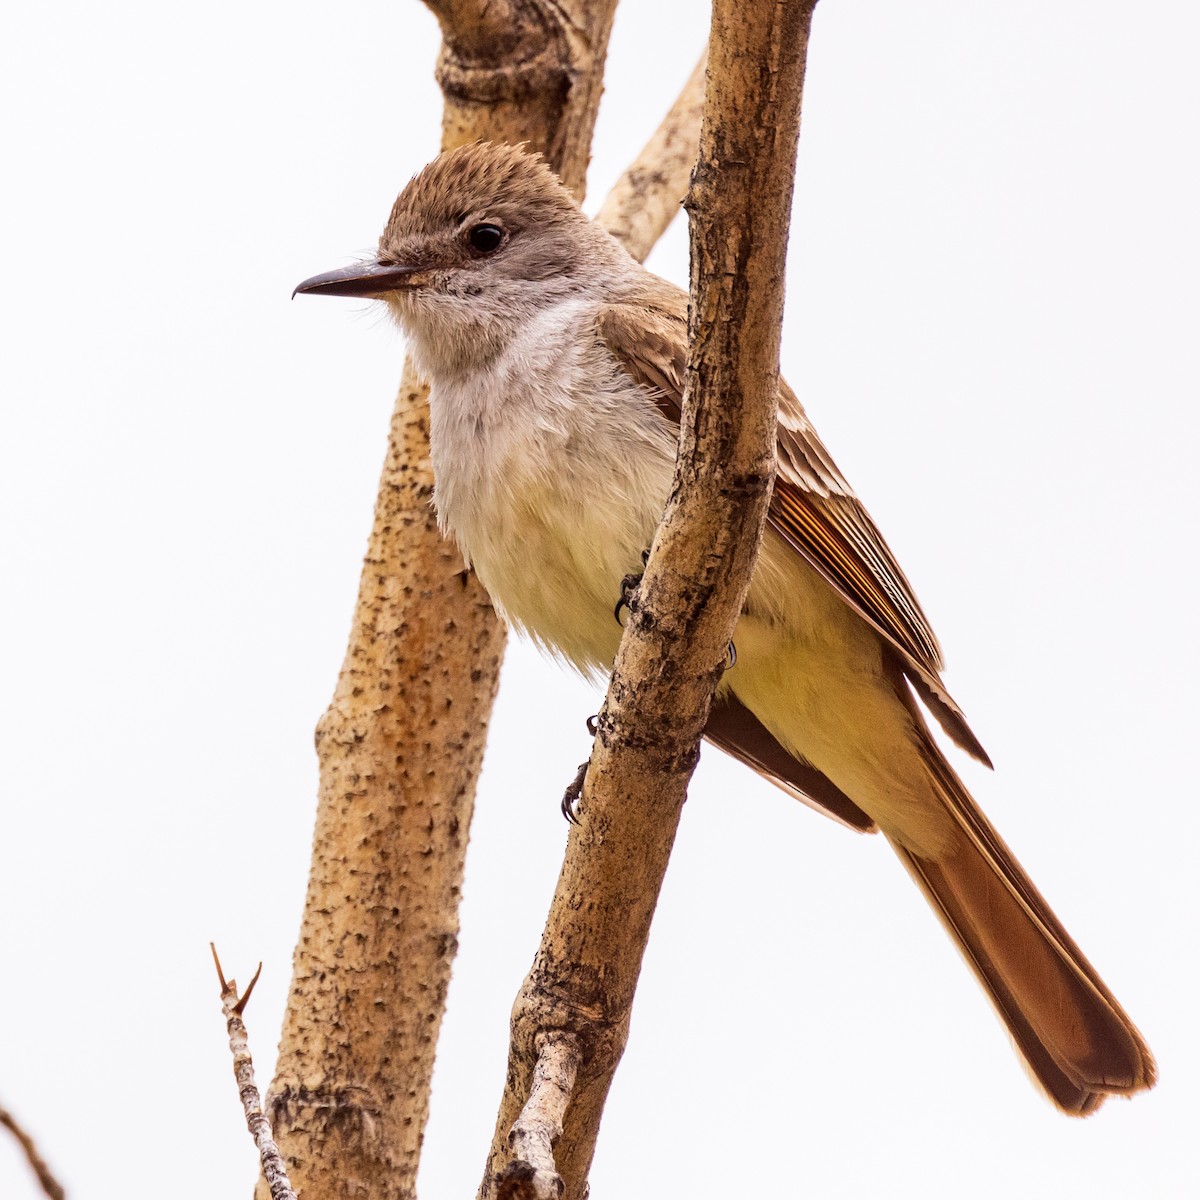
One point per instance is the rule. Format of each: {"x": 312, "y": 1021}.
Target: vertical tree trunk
{"x": 401, "y": 743}
{"x": 400, "y": 748}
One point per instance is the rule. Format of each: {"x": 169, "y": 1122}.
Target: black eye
{"x": 486, "y": 238}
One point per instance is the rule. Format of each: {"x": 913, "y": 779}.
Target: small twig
{"x": 274, "y": 1170}
{"x": 50, "y": 1185}
{"x": 647, "y": 197}
{"x": 532, "y": 1174}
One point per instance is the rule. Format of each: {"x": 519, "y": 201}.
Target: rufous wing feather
{"x": 1071, "y": 1031}
{"x": 812, "y": 507}
{"x": 736, "y": 730}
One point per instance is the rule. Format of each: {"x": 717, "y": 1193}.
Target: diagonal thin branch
{"x": 45, "y": 1177}
{"x": 673, "y": 651}
{"x": 650, "y": 192}
{"x": 532, "y": 1174}
{"x": 274, "y": 1169}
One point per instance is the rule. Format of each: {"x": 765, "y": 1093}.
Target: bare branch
{"x": 274, "y": 1170}
{"x": 49, "y": 1184}
{"x": 524, "y": 72}
{"x": 645, "y": 200}
{"x": 531, "y": 1175}
{"x": 674, "y": 648}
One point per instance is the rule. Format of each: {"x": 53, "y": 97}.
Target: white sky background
{"x": 992, "y": 318}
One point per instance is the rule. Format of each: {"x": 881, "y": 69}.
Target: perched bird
{"x": 556, "y": 364}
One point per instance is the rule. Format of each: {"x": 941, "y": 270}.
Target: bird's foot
{"x": 629, "y": 585}
{"x": 574, "y": 794}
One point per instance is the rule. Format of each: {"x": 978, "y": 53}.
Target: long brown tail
{"x": 1074, "y": 1035}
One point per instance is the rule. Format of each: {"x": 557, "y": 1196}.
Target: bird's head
{"x": 480, "y": 241}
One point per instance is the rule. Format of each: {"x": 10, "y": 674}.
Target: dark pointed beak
{"x": 372, "y": 278}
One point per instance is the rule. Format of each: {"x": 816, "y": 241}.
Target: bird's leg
{"x": 574, "y": 792}
{"x": 572, "y": 795}
{"x": 629, "y": 585}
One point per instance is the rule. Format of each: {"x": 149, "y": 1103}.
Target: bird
{"x": 556, "y": 366}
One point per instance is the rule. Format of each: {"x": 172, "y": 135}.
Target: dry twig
{"x": 531, "y": 1175}
{"x": 645, "y": 200}
{"x": 50, "y": 1185}
{"x": 274, "y": 1169}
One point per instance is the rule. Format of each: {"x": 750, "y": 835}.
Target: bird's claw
{"x": 574, "y": 792}
{"x": 629, "y": 585}
{"x": 573, "y": 795}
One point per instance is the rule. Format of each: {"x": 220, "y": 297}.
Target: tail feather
{"x": 1074, "y": 1036}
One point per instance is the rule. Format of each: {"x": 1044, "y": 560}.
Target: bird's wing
{"x": 735, "y": 729}
{"x": 812, "y": 506}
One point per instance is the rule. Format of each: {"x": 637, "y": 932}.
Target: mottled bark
{"x": 399, "y": 748}
{"x": 274, "y": 1170}
{"x": 536, "y": 1131}
{"x": 524, "y": 71}
{"x": 401, "y": 743}
{"x": 583, "y": 979}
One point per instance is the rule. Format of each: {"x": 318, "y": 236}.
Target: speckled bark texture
{"x": 583, "y": 979}
{"x": 524, "y": 71}
{"x": 401, "y": 744}
{"x": 399, "y": 748}
{"x": 274, "y": 1169}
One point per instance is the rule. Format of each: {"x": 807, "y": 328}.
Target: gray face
{"x": 486, "y": 263}
{"x": 482, "y": 239}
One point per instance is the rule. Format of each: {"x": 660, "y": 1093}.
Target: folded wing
{"x": 812, "y": 507}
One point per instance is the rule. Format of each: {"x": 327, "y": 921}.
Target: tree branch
{"x": 524, "y": 71}
{"x": 531, "y": 1175}
{"x": 402, "y": 741}
{"x": 645, "y": 200}
{"x": 37, "y": 1163}
{"x": 671, "y": 656}
{"x": 232, "y": 1005}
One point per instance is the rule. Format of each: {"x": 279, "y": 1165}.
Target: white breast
{"x": 552, "y": 468}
